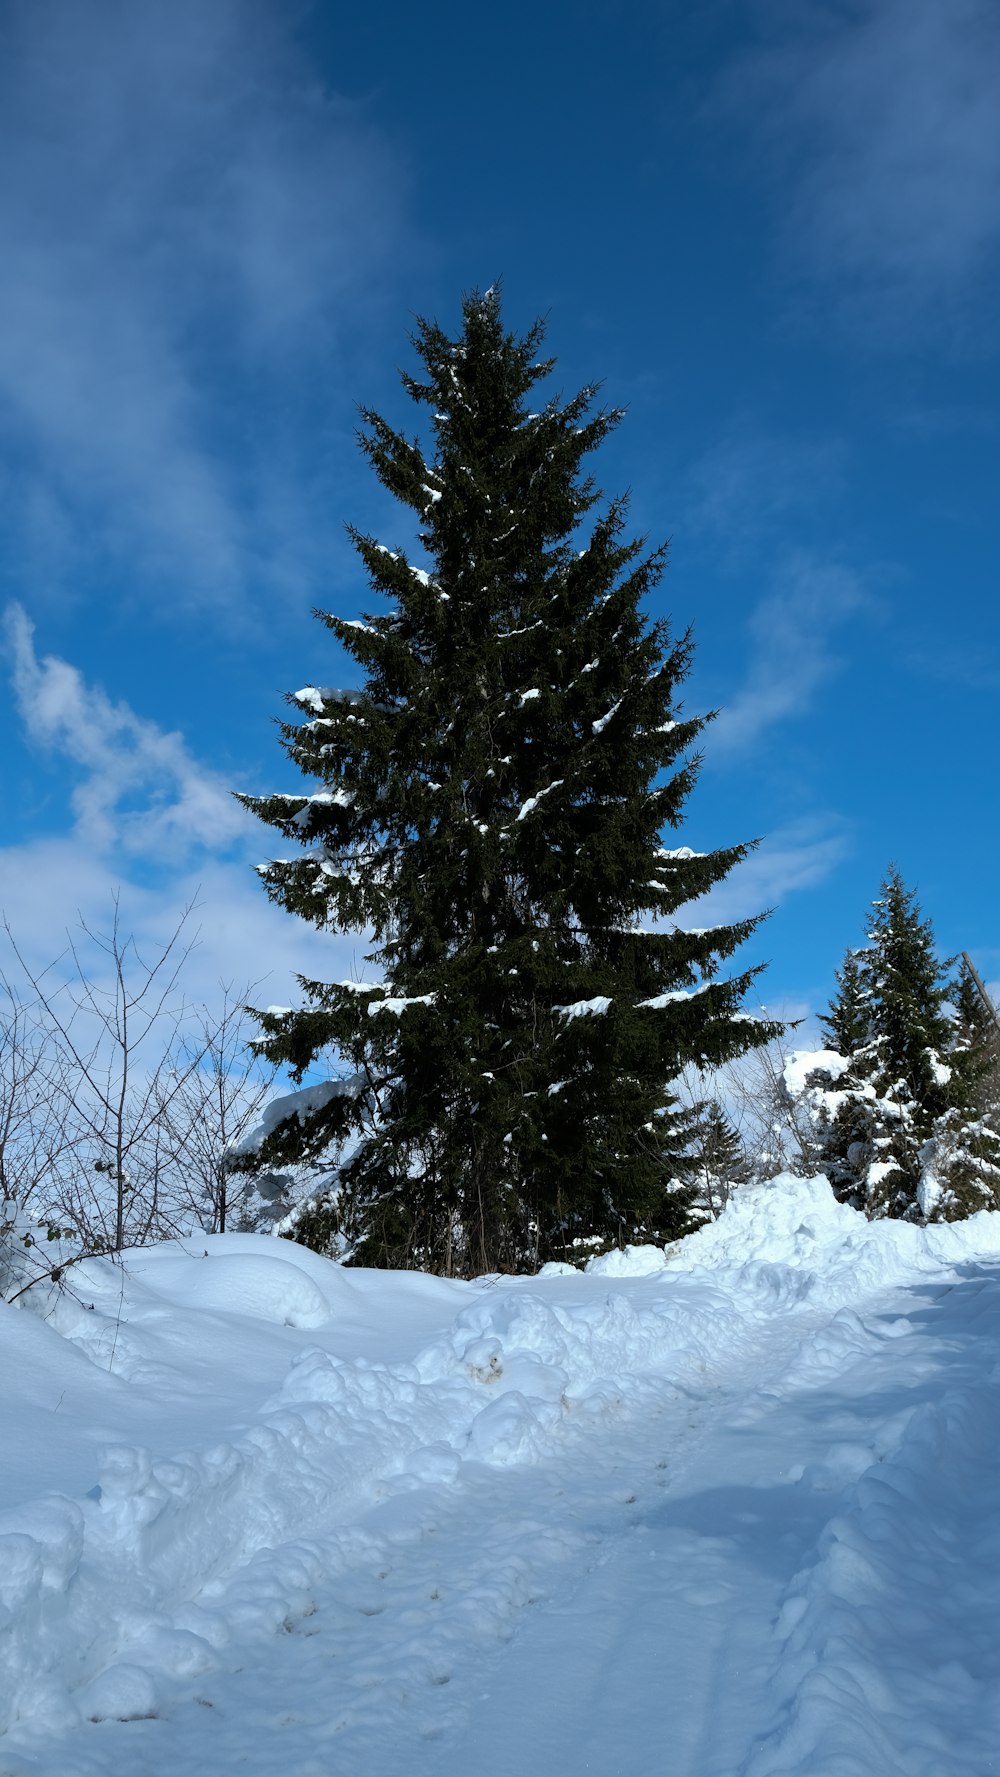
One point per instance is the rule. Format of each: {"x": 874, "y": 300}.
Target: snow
{"x": 661, "y": 1000}
{"x": 324, "y": 799}
{"x": 599, "y": 726}
{"x": 594, "y": 1008}
{"x": 313, "y": 697}
{"x": 310, "y": 698}
{"x": 727, "y": 1508}
{"x": 630, "y": 1261}
{"x": 533, "y": 801}
{"x": 396, "y": 1006}
{"x": 302, "y": 1103}
{"x": 801, "y": 1063}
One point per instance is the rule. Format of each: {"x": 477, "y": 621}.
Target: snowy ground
{"x": 738, "y": 1515}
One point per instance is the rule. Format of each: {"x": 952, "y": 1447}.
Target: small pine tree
{"x": 903, "y": 1138}
{"x": 976, "y": 1046}
{"x": 847, "y": 1024}
{"x": 962, "y": 1159}
{"x": 718, "y": 1160}
{"x": 490, "y": 807}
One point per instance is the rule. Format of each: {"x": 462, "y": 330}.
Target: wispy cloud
{"x": 796, "y": 645}
{"x": 186, "y": 220}
{"x": 138, "y": 789}
{"x": 976, "y": 668}
{"x": 881, "y": 127}
{"x": 155, "y": 831}
{"x": 798, "y": 856}
{"x": 746, "y": 489}
{"x": 54, "y": 888}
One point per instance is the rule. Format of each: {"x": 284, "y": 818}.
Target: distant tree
{"x": 119, "y": 1102}
{"x": 489, "y": 806}
{"x": 848, "y": 1022}
{"x": 898, "y": 1129}
{"x": 718, "y": 1161}
{"x": 962, "y": 1159}
{"x": 976, "y": 1046}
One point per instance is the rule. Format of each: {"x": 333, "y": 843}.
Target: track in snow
{"x": 790, "y": 1572}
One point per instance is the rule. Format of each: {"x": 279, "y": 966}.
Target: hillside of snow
{"x": 728, "y": 1510}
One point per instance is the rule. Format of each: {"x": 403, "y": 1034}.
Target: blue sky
{"x": 771, "y": 227}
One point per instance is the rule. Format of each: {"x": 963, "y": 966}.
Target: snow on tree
{"x": 892, "y": 1109}
{"x": 489, "y": 806}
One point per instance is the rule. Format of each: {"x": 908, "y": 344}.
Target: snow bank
{"x": 147, "y": 1572}
{"x": 236, "y": 1283}
{"x": 828, "y": 1252}
{"x": 631, "y": 1261}
{"x": 285, "y": 1417}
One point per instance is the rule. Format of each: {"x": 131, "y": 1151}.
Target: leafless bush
{"x": 118, "y": 1101}
{"x": 775, "y": 1134}
{"x": 212, "y": 1110}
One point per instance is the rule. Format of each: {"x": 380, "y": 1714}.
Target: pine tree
{"x": 962, "y": 1159}
{"x": 847, "y": 1023}
{"x": 911, "y": 1032}
{"x": 976, "y": 1046}
{"x": 718, "y": 1160}
{"x": 490, "y": 809}
{"x": 903, "y": 1137}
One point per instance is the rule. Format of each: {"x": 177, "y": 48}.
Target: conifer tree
{"x": 903, "y": 1137}
{"x": 976, "y": 1045}
{"x": 847, "y": 1022}
{"x": 962, "y": 1160}
{"x": 718, "y": 1160}
{"x": 489, "y": 807}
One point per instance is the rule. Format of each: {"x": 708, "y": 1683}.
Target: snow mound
{"x": 632, "y": 1261}
{"x": 802, "y": 1063}
{"x": 796, "y": 1226}
{"x": 266, "y": 1287}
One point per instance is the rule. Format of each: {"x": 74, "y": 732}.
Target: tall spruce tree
{"x": 489, "y": 807}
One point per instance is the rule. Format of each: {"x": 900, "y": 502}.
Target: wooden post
{"x": 984, "y": 996}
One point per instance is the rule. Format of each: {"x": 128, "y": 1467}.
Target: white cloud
{"x": 882, "y": 125}
{"x": 747, "y": 487}
{"x": 184, "y": 210}
{"x": 795, "y": 857}
{"x": 793, "y": 651}
{"x": 141, "y": 790}
{"x": 155, "y": 832}
{"x": 51, "y": 888}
